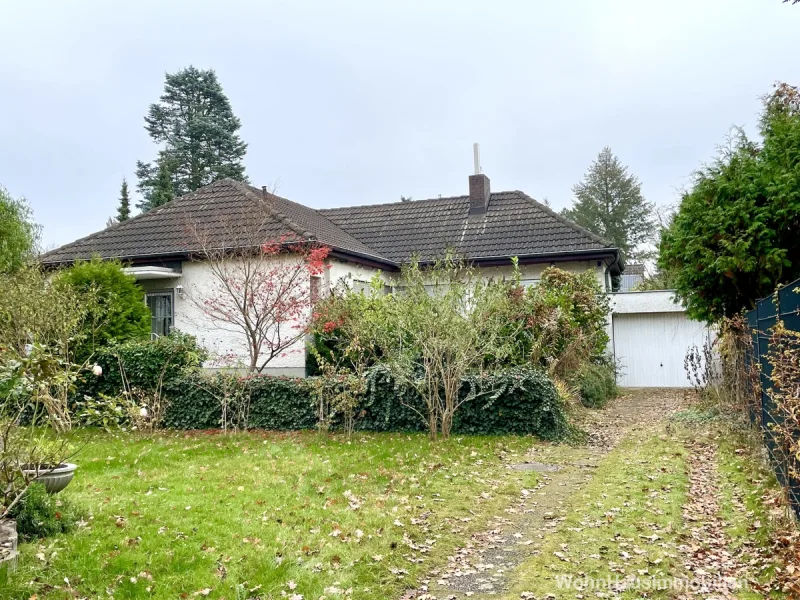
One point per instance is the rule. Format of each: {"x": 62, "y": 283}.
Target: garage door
{"x": 651, "y": 347}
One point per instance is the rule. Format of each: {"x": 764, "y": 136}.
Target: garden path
{"x": 484, "y": 565}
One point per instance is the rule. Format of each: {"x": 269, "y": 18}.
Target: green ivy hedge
{"x": 517, "y": 401}
{"x": 143, "y": 361}
{"x": 278, "y": 403}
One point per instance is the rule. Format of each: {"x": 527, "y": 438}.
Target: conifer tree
{"x": 609, "y": 203}
{"x": 195, "y": 127}
{"x": 124, "y": 208}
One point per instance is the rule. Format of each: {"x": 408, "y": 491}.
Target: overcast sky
{"x": 348, "y": 103}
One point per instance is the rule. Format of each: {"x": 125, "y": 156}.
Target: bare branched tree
{"x": 261, "y": 278}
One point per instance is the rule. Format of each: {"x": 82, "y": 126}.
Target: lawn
{"x": 267, "y": 515}
{"x": 623, "y": 524}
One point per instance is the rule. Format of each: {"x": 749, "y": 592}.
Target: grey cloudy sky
{"x": 359, "y": 102}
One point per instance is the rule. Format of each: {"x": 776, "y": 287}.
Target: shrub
{"x": 280, "y": 403}
{"x": 118, "y": 313}
{"x": 108, "y": 412}
{"x": 40, "y": 515}
{"x": 597, "y": 383}
{"x": 564, "y": 321}
{"x": 519, "y": 401}
{"x": 145, "y": 362}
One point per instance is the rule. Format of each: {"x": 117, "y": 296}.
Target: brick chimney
{"x": 478, "y": 187}
{"x": 478, "y": 194}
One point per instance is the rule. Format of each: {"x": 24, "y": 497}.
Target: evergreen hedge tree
{"x": 735, "y": 235}
{"x": 118, "y": 312}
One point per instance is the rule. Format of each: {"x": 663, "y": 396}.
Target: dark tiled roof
{"x": 214, "y": 211}
{"x": 514, "y": 225}
{"x": 634, "y": 269}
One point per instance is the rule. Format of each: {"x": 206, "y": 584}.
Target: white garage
{"x": 650, "y": 336}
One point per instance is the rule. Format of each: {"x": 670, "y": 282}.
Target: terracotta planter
{"x": 54, "y": 480}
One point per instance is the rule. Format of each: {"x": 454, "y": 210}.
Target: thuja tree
{"x": 118, "y": 312}
{"x": 734, "y": 237}
{"x": 262, "y": 293}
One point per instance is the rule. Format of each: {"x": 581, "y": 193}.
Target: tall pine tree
{"x": 194, "y": 124}
{"x": 609, "y": 202}
{"x": 124, "y": 208}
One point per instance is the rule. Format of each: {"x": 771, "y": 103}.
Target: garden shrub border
{"x": 517, "y": 401}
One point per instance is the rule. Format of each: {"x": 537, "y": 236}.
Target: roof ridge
{"x": 406, "y": 202}
{"x": 565, "y": 220}
{"x": 263, "y": 201}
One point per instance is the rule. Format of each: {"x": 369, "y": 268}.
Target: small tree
{"x": 18, "y": 233}
{"x": 118, "y": 312}
{"x": 440, "y": 326}
{"x": 262, "y": 292}
{"x": 40, "y": 321}
{"x": 124, "y": 208}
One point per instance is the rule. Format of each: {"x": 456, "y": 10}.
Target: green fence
{"x": 784, "y": 305}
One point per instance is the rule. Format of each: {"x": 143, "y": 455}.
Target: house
{"x": 633, "y": 276}
{"x": 163, "y": 251}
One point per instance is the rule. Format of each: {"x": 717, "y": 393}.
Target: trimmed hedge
{"x": 277, "y": 403}
{"x": 517, "y": 401}
{"x": 143, "y": 361}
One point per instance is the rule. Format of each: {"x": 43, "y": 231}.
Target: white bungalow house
{"x": 161, "y": 250}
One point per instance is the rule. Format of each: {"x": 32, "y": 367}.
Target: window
{"x": 362, "y": 287}
{"x": 161, "y": 311}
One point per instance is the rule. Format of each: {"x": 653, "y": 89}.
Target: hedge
{"x": 516, "y": 401}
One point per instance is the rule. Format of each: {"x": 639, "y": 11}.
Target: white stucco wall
{"x": 227, "y": 344}
{"x": 534, "y": 272}
{"x": 347, "y": 273}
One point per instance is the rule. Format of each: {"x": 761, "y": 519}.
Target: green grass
{"x": 744, "y": 483}
{"x": 623, "y": 523}
{"x": 247, "y": 515}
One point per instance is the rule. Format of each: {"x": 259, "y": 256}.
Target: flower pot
{"x": 54, "y": 479}
{"x": 8, "y": 544}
